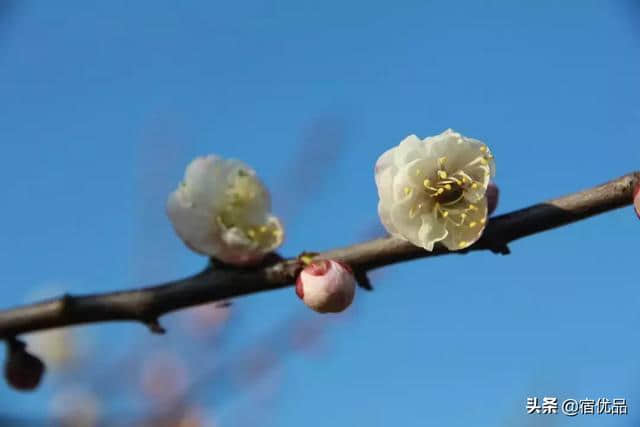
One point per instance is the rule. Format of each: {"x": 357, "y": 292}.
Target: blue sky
{"x": 104, "y": 104}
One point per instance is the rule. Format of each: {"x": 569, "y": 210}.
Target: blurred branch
{"x": 217, "y": 283}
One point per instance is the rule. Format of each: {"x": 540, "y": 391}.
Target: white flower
{"x": 433, "y": 190}
{"x": 326, "y": 286}
{"x": 222, "y": 209}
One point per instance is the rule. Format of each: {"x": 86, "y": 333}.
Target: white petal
{"x": 205, "y": 180}
{"x": 410, "y": 148}
{"x": 193, "y": 224}
{"x": 247, "y": 192}
{"x": 465, "y": 235}
{"x": 421, "y": 169}
{"x": 385, "y": 161}
{"x": 458, "y": 150}
{"x": 276, "y": 230}
{"x": 238, "y": 248}
{"x": 481, "y": 175}
{"x": 384, "y": 182}
{"x": 432, "y": 230}
{"x": 406, "y": 224}
{"x": 403, "y": 187}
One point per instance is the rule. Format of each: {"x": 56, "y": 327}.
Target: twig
{"x": 146, "y": 305}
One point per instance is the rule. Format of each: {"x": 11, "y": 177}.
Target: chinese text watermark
{"x": 573, "y": 407}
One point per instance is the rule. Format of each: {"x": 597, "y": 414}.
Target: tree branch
{"x": 217, "y": 283}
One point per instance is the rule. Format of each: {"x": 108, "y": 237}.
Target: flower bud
{"x": 22, "y": 370}
{"x": 493, "y": 194}
{"x": 326, "y": 286}
{"x": 636, "y": 200}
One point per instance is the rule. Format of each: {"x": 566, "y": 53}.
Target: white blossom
{"x": 433, "y": 190}
{"x": 221, "y": 209}
{"x": 326, "y": 286}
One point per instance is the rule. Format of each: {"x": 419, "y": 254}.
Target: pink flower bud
{"x": 493, "y": 194}
{"x": 326, "y": 286}
{"x": 636, "y": 200}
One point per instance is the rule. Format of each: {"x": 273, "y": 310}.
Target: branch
{"x": 218, "y": 283}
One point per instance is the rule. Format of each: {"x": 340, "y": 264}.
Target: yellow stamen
{"x": 407, "y": 191}
{"x": 472, "y": 224}
{"x": 442, "y": 174}
{"x": 462, "y": 244}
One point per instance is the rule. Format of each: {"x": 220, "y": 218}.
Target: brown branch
{"x": 215, "y": 284}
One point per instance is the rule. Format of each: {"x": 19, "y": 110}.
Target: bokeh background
{"x": 104, "y": 103}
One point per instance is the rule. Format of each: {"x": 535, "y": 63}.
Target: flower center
{"x": 243, "y": 198}
{"x": 447, "y": 190}
{"x": 452, "y": 192}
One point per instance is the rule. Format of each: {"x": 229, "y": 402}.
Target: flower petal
{"x": 384, "y": 182}
{"x": 205, "y": 180}
{"x": 470, "y": 230}
{"x": 460, "y": 152}
{"x": 481, "y": 176}
{"x": 193, "y": 223}
{"x": 432, "y": 230}
{"x": 406, "y": 224}
{"x": 385, "y": 161}
{"x": 410, "y": 148}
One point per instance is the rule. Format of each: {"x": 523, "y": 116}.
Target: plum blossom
{"x": 326, "y": 286}
{"x": 222, "y": 209}
{"x": 433, "y": 190}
